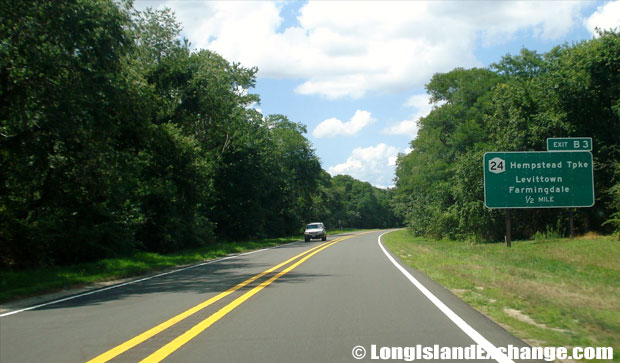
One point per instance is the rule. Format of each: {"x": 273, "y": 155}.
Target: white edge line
{"x": 136, "y": 281}
{"x": 466, "y": 328}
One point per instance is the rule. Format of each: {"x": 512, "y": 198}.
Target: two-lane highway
{"x": 302, "y": 302}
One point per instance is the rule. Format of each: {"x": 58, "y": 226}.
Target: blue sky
{"x": 354, "y": 71}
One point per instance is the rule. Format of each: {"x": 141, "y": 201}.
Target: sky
{"x": 354, "y": 72}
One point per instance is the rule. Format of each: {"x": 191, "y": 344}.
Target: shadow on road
{"x": 208, "y": 279}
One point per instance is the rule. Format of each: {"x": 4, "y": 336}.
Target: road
{"x": 301, "y": 302}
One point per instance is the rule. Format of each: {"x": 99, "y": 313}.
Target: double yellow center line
{"x": 175, "y": 344}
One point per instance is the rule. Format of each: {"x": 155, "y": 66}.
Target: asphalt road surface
{"x": 301, "y": 302}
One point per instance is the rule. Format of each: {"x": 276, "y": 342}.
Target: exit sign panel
{"x": 538, "y": 179}
{"x": 569, "y": 144}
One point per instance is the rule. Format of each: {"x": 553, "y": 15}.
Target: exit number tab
{"x": 569, "y": 144}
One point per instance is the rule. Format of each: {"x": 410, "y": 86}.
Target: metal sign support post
{"x": 508, "y": 237}
{"x": 571, "y": 223}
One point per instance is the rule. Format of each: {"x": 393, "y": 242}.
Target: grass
{"x": 557, "y": 292}
{"x": 26, "y": 283}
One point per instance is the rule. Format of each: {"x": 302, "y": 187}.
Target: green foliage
{"x": 347, "y": 202}
{"x": 116, "y": 138}
{"x": 61, "y": 145}
{"x": 614, "y": 221}
{"x": 548, "y": 234}
{"x": 173, "y": 187}
{"x": 514, "y": 105}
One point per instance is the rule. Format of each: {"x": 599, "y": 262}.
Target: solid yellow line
{"x": 182, "y": 339}
{"x": 112, "y": 353}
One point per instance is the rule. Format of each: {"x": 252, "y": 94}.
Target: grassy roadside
{"x": 557, "y": 292}
{"x": 20, "y": 284}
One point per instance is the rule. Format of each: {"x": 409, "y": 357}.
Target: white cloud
{"x": 605, "y": 17}
{"x": 333, "y": 127}
{"x": 374, "y": 164}
{"x": 421, "y": 103}
{"x": 350, "y": 48}
{"x": 405, "y": 127}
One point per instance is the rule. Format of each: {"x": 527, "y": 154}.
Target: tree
{"x": 514, "y": 105}
{"x": 426, "y": 179}
{"x": 61, "y": 135}
{"x": 115, "y": 137}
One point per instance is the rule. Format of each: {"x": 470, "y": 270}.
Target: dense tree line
{"x": 514, "y": 105}
{"x": 116, "y": 137}
{"x": 343, "y": 201}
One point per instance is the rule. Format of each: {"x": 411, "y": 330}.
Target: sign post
{"x": 508, "y": 237}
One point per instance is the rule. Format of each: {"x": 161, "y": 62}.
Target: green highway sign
{"x": 538, "y": 179}
{"x": 569, "y": 144}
